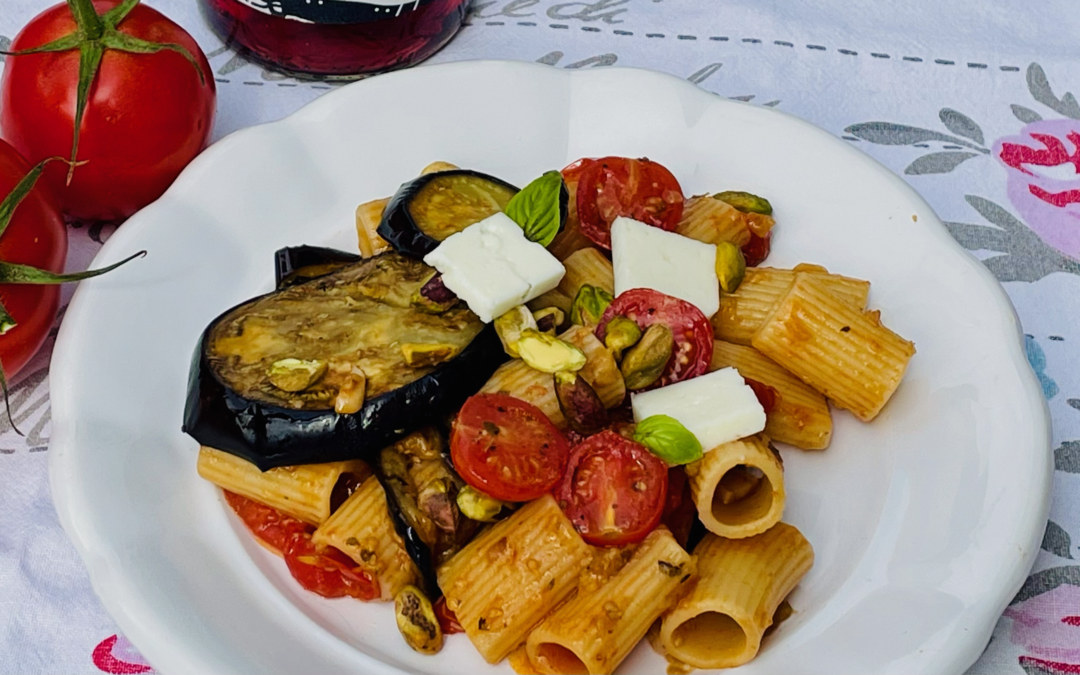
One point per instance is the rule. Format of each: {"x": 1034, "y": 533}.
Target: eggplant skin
{"x": 270, "y": 435}
{"x": 297, "y": 264}
{"x": 398, "y": 227}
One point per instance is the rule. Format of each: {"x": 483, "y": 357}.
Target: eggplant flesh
{"x": 428, "y": 209}
{"x": 354, "y": 318}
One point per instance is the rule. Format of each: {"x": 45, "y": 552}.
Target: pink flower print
{"x": 116, "y": 656}
{"x": 1043, "y": 164}
{"x": 1048, "y": 626}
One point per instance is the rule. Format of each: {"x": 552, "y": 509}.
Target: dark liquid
{"x": 336, "y": 51}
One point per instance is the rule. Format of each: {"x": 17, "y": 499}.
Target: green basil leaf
{"x": 668, "y": 439}
{"x": 536, "y": 208}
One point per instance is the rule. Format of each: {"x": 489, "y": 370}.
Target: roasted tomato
{"x": 614, "y": 490}
{"x": 448, "y": 621}
{"x": 328, "y": 571}
{"x": 757, "y": 249}
{"x": 507, "y": 448}
{"x": 691, "y": 329}
{"x": 766, "y": 395}
{"x": 635, "y": 188}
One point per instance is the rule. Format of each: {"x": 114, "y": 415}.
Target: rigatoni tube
{"x": 510, "y": 577}
{"x": 720, "y": 623}
{"x": 738, "y": 488}
{"x": 594, "y": 631}
{"x": 362, "y": 529}
{"x": 840, "y": 350}
{"x": 304, "y": 492}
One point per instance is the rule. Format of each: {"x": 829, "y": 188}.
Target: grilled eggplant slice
{"x": 428, "y": 209}
{"x": 355, "y": 320}
{"x": 297, "y": 264}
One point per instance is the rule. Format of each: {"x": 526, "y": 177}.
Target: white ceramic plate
{"x": 924, "y": 522}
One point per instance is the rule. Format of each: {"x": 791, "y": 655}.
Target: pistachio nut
{"x": 295, "y": 374}
{"x": 622, "y": 333}
{"x": 547, "y": 353}
{"x": 580, "y": 404}
{"x": 589, "y": 305}
{"x": 478, "y": 506}
{"x": 423, "y": 355}
{"x": 510, "y": 325}
{"x": 549, "y": 319}
{"x": 745, "y": 202}
{"x": 644, "y": 363}
{"x": 730, "y": 266}
{"x": 416, "y": 620}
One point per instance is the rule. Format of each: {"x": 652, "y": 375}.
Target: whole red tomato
{"x": 35, "y": 236}
{"x": 147, "y": 116}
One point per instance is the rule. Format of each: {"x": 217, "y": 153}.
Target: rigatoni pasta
{"x": 840, "y": 350}
{"x": 362, "y": 529}
{"x": 594, "y": 631}
{"x": 742, "y": 312}
{"x": 738, "y": 488}
{"x": 587, "y": 266}
{"x": 712, "y": 221}
{"x": 368, "y": 217}
{"x": 720, "y": 622}
{"x": 800, "y": 415}
{"x": 303, "y": 492}
{"x": 512, "y": 575}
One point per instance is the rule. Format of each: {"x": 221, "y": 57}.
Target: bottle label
{"x": 335, "y": 11}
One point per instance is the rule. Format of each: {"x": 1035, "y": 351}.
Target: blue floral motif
{"x": 1037, "y": 358}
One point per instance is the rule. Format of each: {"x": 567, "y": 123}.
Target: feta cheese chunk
{"x": 718, "y": 407}
{"x": 493, "y": 267}
{"x": 648, "y": 257}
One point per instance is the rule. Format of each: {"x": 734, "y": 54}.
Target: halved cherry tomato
{"x": 327, "y": 571}
{"x": 448, "y": 621}
{"x": 272, "y": 527}
{"x": 614, "y": 490}
{"x": 636, "y": 188}
{"x": 766, "y": 395}
{"x": 757, "y": 249}
{"x": 507, "y": 448}
{"x": 692, "y": 330}
{"x": 680, "y": 512}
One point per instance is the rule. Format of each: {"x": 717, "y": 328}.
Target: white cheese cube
{"x": 648, "y": 257}
{"x": 493, "y": 267}
{"x": 718, "y": 407}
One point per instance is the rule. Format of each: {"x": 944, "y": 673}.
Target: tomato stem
{"x": 97, "y": 33}
{"x": 87, "y": 18}
{"x": 22, "y": 188}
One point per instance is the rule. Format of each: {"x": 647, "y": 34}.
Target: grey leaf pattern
{"x": 1067, "y": 457}
{"x": 1074, "y": 402}
{"x": 550, "y": 59}
{"x": 938, "y": 162}
{"x": 1025, "y": 256}
{"x": 1025, "y": 115}
{"x": 1040, "y": 90}
{"x": 888, "y": 133}
{"x": 961, "y": 125}
{"x": 1047, "y": 580}
{"x": 705, "y": 73}
{"x": 1057, "y": 541}
{"x": 594, "y": 61}
{"x": 5, "y": 45}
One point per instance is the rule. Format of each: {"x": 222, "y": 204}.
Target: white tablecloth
{"x": 941, "y": 92}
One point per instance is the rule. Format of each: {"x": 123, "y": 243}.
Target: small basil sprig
{"x": 668, "y": 439}
{"x": 538, "y": 209}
